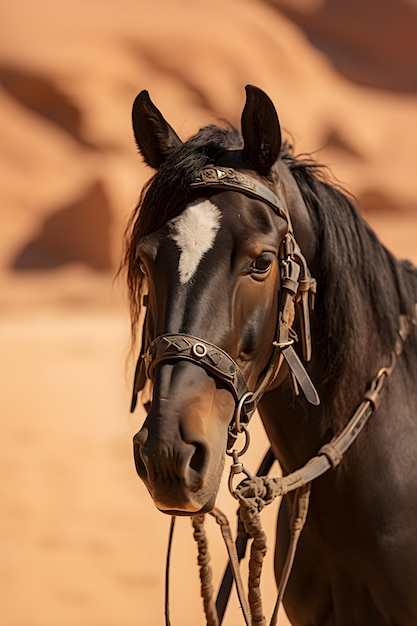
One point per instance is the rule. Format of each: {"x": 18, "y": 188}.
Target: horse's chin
{"x": 185, "y": 502}
{"x": 189, "y": 509}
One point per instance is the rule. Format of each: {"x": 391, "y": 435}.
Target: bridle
{"x": 297, "y": 289}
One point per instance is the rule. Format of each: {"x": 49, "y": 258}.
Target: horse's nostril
{"x": 138, "y": 441}
{"x": 196, "y": 468}
{"x": 141, "y": 437}
{"x": 198, "y": 459}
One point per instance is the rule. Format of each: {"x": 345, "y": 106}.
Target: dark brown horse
{"x": 225, "y": 246}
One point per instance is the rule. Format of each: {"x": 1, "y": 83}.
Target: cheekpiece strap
{"x": 228, "y": 178}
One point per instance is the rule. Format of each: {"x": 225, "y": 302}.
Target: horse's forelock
{"x": 164, "y": 196}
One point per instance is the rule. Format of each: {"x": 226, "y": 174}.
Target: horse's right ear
{"x": 154, "y": 137}
{"x": 261, "y": 130}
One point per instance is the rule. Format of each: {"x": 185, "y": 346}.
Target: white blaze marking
{"x": 194, "y": 232}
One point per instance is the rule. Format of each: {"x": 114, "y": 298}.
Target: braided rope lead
{"x": 252, "y": 498}
{"x": 203, "y": 559}
{"x": 258, "y": 550}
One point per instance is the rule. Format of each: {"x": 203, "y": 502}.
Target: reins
{"x": 256, "y": 492}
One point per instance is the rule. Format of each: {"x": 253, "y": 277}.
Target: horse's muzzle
{"x": 176, "y": 475}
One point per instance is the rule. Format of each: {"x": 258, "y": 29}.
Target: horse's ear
{"x": 261, "y": 130}
{"x": 154, "y": 136}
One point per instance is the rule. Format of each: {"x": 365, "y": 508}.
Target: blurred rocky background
{"x": 343, "y": 74}
{"x": 81, "y": 544}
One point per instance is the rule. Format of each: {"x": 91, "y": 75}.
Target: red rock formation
{"x": 68, "y": 79}
{"x": 372, "y": 42}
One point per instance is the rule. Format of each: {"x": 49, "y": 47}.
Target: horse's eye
{"x": 262, "y": 264}
{"x": 141, "y": 265}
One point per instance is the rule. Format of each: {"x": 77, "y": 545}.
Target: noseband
{"x": 207, "y": 355}
{"x": 297, "y": 286}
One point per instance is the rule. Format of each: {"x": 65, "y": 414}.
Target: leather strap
{"x": 331, "y": 454}
{"x": 234, "y": 560}
{"x": 167, "y": 568}
{"x": 229, "y": 178}
{"x": 201, "y": 352}
{"x": 303, "y": 379}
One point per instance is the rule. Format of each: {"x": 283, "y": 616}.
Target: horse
{"x": 263, "y": 287}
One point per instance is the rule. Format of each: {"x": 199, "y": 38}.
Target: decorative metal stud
{"x": 199, "y": 350}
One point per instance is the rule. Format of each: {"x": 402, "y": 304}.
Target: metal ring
{"x": 383, "y": 374}
{"x": 236, "y": 453}
{"x": 238, "y": 411}
{"x": 283, "y": 344}
{"x": 199, "y": 350}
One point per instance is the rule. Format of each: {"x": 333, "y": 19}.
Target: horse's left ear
{"x": 261, "y": 130}
{"x": 155, "y": 138}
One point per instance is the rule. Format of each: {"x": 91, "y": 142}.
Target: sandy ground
{"x": 81, "y": 542}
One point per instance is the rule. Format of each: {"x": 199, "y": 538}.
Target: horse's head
{"x": 212, "y": 247}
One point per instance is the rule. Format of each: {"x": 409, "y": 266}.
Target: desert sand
{"x": 81, "y": 543}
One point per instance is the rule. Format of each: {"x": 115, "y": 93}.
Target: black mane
{"x": 362, "y": 285}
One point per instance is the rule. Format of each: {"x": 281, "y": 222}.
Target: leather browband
{"x": 228, "y": 178}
